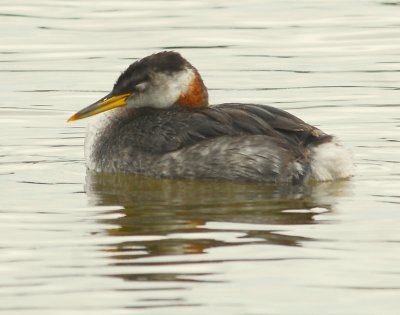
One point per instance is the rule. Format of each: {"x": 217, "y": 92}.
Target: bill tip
{"x": 72, "y": 118}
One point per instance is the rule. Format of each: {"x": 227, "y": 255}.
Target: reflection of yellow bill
{"x": 100, "y": 106}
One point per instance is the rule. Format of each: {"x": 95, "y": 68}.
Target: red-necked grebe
{"x": 161, "y": 125}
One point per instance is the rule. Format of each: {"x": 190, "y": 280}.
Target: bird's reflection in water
{"x": 162, "y": 212}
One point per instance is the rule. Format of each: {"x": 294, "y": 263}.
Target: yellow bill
{"x": 100, "y": 106}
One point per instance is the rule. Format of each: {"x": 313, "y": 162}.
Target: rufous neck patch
{"x": 196, "y": 95}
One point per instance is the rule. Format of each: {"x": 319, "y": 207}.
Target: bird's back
{"x": 227, "y": 141}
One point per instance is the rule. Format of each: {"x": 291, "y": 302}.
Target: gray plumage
{"x": 227, "y": 141}
{"x": 159, "y": 124}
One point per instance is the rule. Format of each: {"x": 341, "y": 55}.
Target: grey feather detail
{"x": 228, "y": 141}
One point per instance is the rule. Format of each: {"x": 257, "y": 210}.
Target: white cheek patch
{"x": 163, "y": 90}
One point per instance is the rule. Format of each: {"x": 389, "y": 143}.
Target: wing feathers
{"x": 176, "y": 128}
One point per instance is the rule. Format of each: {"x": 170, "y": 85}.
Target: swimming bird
{"x": 158, "y": 122}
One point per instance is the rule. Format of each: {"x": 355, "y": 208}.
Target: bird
{"x": 157, "y": 122}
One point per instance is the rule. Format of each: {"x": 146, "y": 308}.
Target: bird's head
{"x": 159, "y": 81}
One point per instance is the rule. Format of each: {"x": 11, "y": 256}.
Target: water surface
{"x": 82, "y": 243}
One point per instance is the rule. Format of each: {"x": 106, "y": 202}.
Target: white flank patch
{"x": 331, "y": 161}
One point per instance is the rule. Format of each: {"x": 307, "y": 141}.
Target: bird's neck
{"x": 196, "y": 95}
